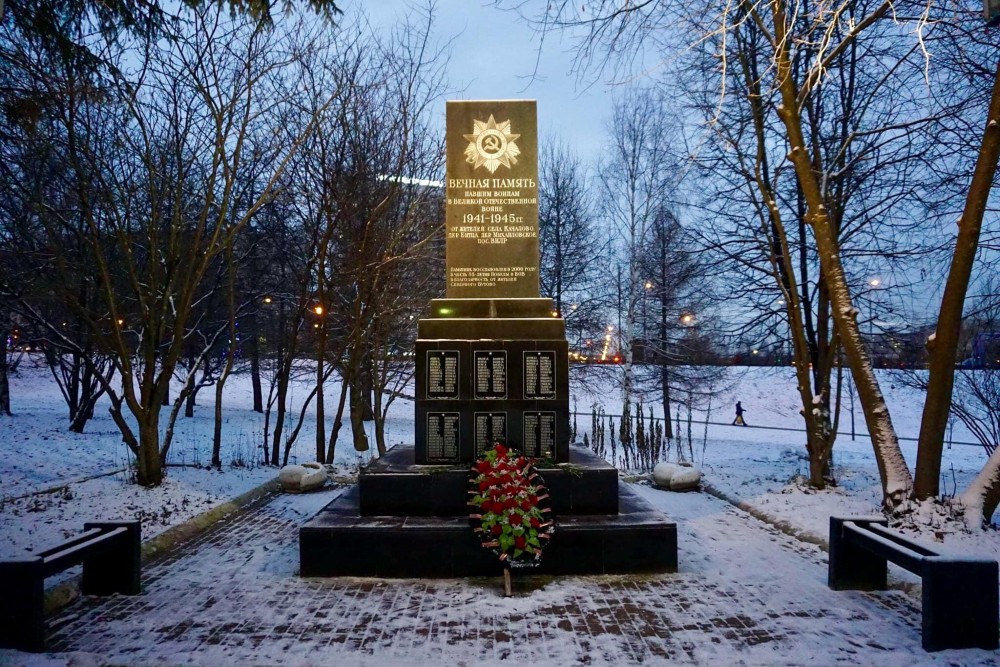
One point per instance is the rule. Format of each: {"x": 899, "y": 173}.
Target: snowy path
{"x": 746, "y": 594}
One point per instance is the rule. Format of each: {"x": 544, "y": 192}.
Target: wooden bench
{"x": 960, "y": 598}
{"x": 110, "y": 553}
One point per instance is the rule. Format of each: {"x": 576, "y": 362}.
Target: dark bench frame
{"x": 110, "y": 552}
{"x": 960, "y": 597}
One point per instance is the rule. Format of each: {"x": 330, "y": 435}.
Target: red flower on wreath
{"x": 507, "y": 499}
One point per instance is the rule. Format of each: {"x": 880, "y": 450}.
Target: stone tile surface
{"x": 745, "y": 594}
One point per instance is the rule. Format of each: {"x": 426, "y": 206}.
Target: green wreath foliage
{"x": 510, "y": 513}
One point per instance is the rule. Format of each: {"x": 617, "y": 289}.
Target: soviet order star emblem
{"x": 491, "y": 144}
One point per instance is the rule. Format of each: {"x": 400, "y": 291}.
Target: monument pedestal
{"x": 409, "y": 520}
{"x": 488, "y": 371}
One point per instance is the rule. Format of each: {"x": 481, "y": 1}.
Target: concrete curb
{"x": 782, "y": 525}
{"x": 65, "y": 593}
{"x": 913, "y": 590}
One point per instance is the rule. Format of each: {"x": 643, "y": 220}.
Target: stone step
{"x": 393, "y": 485}
{"x": 338, "y": 541}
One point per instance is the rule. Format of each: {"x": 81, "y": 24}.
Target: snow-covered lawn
{"x": 757, "y": 465}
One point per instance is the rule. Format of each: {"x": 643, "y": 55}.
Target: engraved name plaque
{"x": 442, "y": 374}
{"x": 491, "y": 374}
{"x": 491, "y": 428}
{"x": 442, "y": 436}
{"x": 540, "y": 374}
{"x": 540, "y": 434}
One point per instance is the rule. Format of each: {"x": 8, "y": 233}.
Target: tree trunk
{"x": 258, "y": 393}
{"x": 338, "y": 421}
{"x": 4, "y": 377}
{"x": 893, "y": 471}
{"x": 320, "y": 403}
{"x": 367, "y": 388}
{"x": 219, "y": 386}
{"x": 379, "y": 423}
{"x": 942, "y": 347}
{"x": 668, "y": 429}
{"x": 149, "y": 466}
{"x": 189, "y": 402}
{"x": 86, "y": 411}
{"x": 357, "y": 419}
{"x": 279, "y": 417}
{"x": 982, "y": 496}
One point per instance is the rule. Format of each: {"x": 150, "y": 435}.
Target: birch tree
{"x": 638, "y": 177}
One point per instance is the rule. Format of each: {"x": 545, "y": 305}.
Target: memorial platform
{"x": 394, "y": 485}
{"x": 405, "y": 520}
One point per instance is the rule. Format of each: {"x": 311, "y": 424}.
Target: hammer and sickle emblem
{"x": 491, "y": 144}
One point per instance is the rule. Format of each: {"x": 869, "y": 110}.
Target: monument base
{"x": 346, "y": 539}
{"x": 489, "y": 371}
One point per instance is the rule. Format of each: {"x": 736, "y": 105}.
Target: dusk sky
{"x": 494, "y": 55}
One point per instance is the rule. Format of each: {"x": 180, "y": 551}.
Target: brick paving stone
{"x": 745, "y": 594}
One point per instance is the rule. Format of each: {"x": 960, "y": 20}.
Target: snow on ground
{"x": 758, "y": 465}
{"x": 754, "y": 464}
{"x": 744, "y": 594}
{"x": 764, "y": 466}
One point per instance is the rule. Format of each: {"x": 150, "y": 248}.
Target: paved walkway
{"x": 746, "y": 594}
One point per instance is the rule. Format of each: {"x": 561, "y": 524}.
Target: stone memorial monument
{"x": 492, "y": 359}
{"x": 492, "y": 365}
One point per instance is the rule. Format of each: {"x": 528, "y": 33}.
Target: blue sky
{"x": 494, "y": 55}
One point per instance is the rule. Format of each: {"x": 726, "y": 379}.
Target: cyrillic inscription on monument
{"x": 491, "y": 428}
{"x": 540, "y": 374}
{"x": 442, "y": 436}
{"x": 492, "y": 199}
{"x": 491, "y": 374}
{"x": 442, "y": 374}
{"x": 540, "y": 434}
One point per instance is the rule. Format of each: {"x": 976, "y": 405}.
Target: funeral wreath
{"x": 510, "y": 512}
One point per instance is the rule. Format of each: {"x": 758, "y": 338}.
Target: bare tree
{"x": 569, "y": 240}
{"x": 638, "y": 180}
{"x": 153, "y": 164}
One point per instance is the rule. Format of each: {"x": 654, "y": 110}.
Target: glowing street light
{"x": 267, "y": 299}
{"x": 687, "y": 318}
{"x": 318, "y": 310}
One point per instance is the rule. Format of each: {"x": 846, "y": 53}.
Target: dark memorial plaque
{"x": 540, "y": 374}
{"x": 491, "y": 428}
{"x": 442, "y": 374}
{"x": 491, "y": 374}
{"x": 540, "y": 434}
{"x": 442, "y": 436}
{"x": 491, "y": 212}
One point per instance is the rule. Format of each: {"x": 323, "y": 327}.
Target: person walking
{"x": 739, "y": 415}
